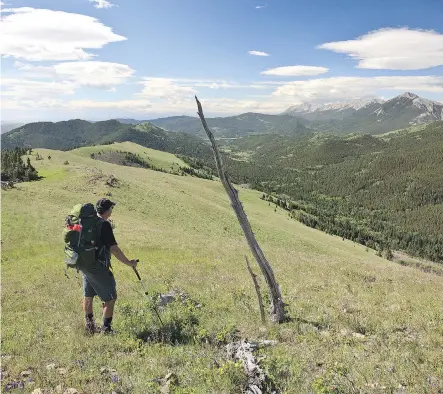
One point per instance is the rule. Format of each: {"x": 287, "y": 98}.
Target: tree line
{"x": 14, "y": 169}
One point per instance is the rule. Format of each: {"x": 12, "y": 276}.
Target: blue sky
{"x": 99, "y": 59}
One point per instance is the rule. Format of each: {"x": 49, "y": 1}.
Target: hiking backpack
{"x": 81, "y": 235}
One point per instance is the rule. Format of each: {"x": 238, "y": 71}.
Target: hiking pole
{"x": 147, "y": 294}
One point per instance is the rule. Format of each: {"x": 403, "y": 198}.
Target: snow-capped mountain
{"x": 411, "y": 108}
{"x": 370, "y": 116}
{"x": 306, "y": 107}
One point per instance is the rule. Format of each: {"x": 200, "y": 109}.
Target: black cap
{"x": 104, "y": 204}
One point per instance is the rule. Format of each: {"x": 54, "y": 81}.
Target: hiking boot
{"x": 90, "y": 327}
{"x": 107, "y": 330}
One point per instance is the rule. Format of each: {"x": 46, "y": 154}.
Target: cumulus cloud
{"x": 124, "y": 105}
{"x": 217, "y": 84}
{"x": 165, "y": 88}
{"x": 219, "y": 106}
{"x": 102, "y": 4}
{"x": 94, "y": 73}
{"x": 393, "y": 49}
{"x": 356, "y": 87}
{"x": 102, "y": 75}
{"x": 25, "y": 88}
{"x": 258, "y": 53}
{"x": 32, "y": 70}
{"x": 176, "y": 95}
{"x": 42, "y": 35}
{"x": 293, "y": 71}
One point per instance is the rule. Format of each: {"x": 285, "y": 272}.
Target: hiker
{"x": 98, "y": 279}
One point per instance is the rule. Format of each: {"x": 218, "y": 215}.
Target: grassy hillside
{"x": 77, "y": 133}
{"x": 61, "y": 135}
{"x": 359, "y": 323}
{"x": 156, "y": 158}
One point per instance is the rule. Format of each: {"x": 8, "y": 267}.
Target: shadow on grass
{"x": 317, "y": 325}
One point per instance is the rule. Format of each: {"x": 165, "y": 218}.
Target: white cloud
{"x": 167, "y": 96}
{"x": 356, "y": 87}
{"x": 25, "y": 88}
{"x": 33, "y": 104}
{"x": 258, "y": 53}
{"x": 219, "y": 106}
{"x": 165, "y": 88}
{"x": 296, "y": 71}
{"x": 41, "y": 35}
{"x": 102, "y": 75}
{"x": 35, "y": 71}
{"x": 217, "y": 84}
{"x": 230, "y": 106}
{"x": 125, "y": 105}
{"x": 393, "y": 49}
{"x": 94, "y": 73}
{"x": 258, "y": 7}
{"x": 102, "y": 4}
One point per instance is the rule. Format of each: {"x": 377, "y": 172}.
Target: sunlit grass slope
{"x": 158, "y": 159}
{"x": 359, "y": 323}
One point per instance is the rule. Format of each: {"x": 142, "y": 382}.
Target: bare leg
{"x": 87, "y": 305}
{"x": 88, "y": 309}
{"x": 108, "y": 309}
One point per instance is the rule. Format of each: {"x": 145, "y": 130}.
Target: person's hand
{"x": 133, "y": 263}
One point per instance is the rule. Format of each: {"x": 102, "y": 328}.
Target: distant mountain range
{"x": 369, "y": 116}
{"x": 336, "y": 110}
{"x": 232, "y": 126}
{"x": 356, "y": 116}
{"x": 8, "y": 126}
{"x": 373, "y": 116}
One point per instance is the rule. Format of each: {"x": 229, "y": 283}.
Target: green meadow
{"x": 358, "y": 323}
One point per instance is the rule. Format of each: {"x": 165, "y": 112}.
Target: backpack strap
{"x": 102, "y": 248}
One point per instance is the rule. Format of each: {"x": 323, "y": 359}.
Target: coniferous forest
{"x": 14, "y": 169}
{"x": 386, "y": 193}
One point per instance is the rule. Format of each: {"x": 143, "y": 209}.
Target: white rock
{"x": 62, "y": 371}
{"x": 25, "y": 374}
{"x": 71, "y": 390}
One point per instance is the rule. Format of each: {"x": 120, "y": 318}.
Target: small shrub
{"x": 179, "y": 322}
{"x": 388, "y": 255}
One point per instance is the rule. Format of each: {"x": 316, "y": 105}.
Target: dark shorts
{"x": 99, "y": 281}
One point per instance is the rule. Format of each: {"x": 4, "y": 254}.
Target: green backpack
{"x": 81, "y": 235}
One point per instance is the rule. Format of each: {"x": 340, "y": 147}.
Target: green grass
{"x": 398, "y": 132}
{"x": 159, "y": 159}
{"x": 359, "y": 323}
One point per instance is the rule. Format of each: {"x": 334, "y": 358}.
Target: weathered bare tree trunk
{"x": 277, "y": 309}
{"x": 258, "y": 382}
